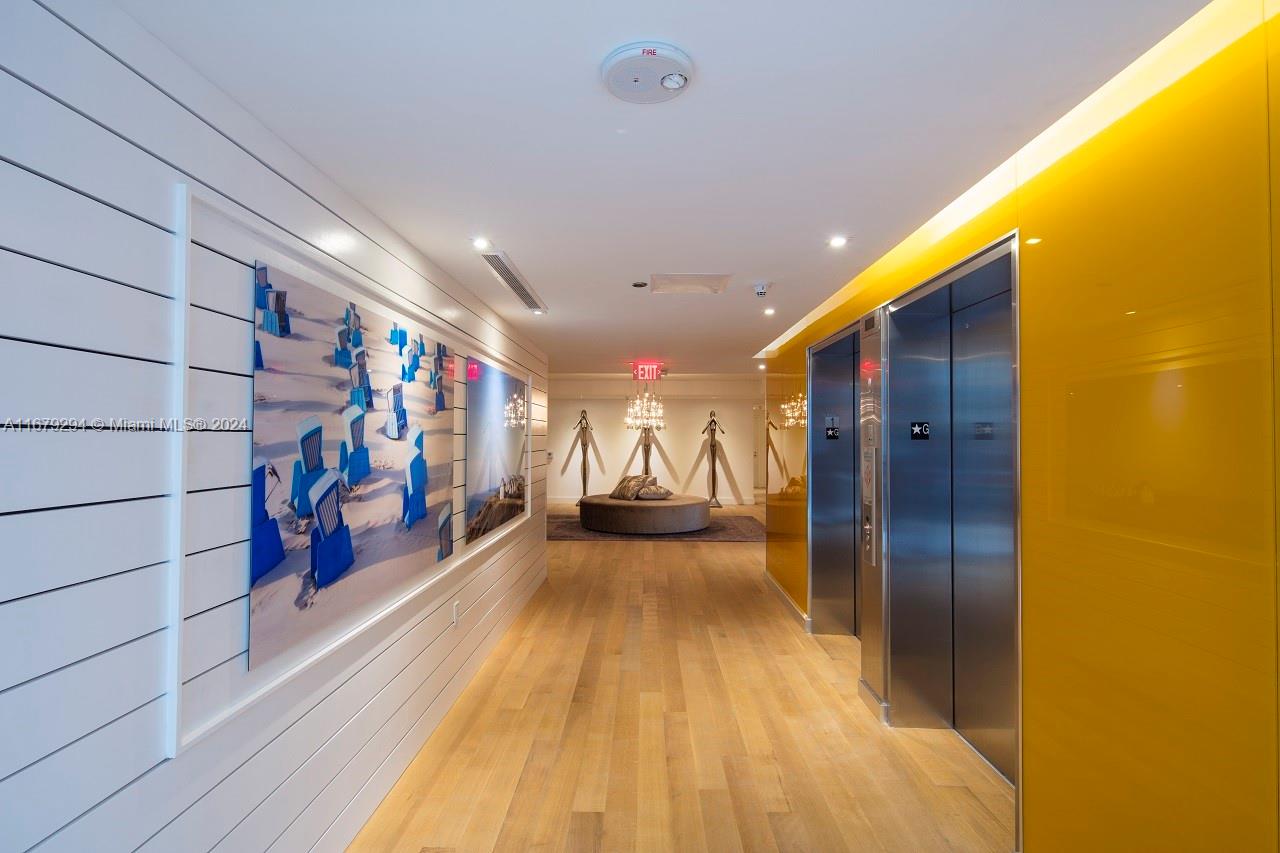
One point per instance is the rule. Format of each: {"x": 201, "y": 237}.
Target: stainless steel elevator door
{"x": 983, "y": 518}
{"x": 918, "y": 439}
{"x": 833, "y": 486}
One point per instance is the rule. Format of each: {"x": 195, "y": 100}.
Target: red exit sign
{"x": 646, "y": 371}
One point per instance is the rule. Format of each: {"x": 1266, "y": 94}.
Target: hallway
{"x": 660, "y": 696}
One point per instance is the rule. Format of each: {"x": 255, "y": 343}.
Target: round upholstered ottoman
{"x": 676, "y": 514}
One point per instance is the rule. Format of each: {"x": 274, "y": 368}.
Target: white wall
{"x": 679, "y": 456}
{"x": 130, "y": 717}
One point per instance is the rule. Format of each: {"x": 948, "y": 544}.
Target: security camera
{"x": 762, "y": 288}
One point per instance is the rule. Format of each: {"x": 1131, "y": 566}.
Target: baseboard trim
{"x": 803, "y": 618}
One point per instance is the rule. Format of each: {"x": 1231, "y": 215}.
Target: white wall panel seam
{"x": 76, "y": 740}
{"x": 317, "y": 705}
{"x": 70, "y": 664}
{"x": 117, "y": 208}
{"x": 389, "y": 689}
{"x": 461, "y": 645}
{"x": 263, "y": 163}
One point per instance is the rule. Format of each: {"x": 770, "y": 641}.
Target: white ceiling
{"x": 804, "y": 119}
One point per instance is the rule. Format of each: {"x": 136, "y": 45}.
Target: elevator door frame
{"x": 1007, "y": 244}
{"x": 850, "y": 331}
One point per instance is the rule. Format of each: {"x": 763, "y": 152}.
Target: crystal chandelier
{"x": 515, "y": 413}
{"x": 644, "y": 411}
{"x": 795, "y": 412}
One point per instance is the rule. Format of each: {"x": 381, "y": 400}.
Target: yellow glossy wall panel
{"x": 1273, "y": 90}
{"x": 786, "y": 502}
{"x": 1148, "y": 552}
{"x": 1148, "y": 442}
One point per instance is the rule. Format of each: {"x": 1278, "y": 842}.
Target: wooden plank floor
{"x": 658, "y": 696}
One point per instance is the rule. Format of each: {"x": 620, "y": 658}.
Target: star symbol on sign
{"x": 915, "y": 429}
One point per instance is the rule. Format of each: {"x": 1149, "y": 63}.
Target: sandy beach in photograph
{"x": 300, "y": 379}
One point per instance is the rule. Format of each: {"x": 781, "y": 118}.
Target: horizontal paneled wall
{"x": 134, "y": 720}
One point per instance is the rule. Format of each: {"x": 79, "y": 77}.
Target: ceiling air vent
{"x": 676, "y": 283}
{"x": 506, "y": 272}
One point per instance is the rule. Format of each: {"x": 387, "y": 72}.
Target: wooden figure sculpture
{"x": 772, "y": 447}
{"x": 583, "y": 427}
{"x": 713, "y": 450}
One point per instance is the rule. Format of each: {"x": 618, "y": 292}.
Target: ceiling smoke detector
{"x": 647, "y": 72}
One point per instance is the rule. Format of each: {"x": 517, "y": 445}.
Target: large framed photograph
{"x": 497, "y": 447}
{"x": 352, "y": 484}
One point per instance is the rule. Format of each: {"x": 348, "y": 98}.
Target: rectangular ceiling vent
{"x": 675, "y": 283}
{"x": 506, "y": 272}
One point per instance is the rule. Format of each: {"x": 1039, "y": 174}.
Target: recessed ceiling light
{"x": 760, "y": 366}
{"x": 1130, "y": 313}
{"x": 480, "y": 244}
{"x": 1032, "y": 241}
{"x": 838, "y": 242}
{"x": 538, "y": 311}
{"x": 769, "y": 312}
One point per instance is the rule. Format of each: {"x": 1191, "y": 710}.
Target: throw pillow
{"x": 629, "y": 487}
{"x": 654, "y": 493}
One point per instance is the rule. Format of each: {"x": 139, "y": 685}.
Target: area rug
{"x": 562, "y": 527}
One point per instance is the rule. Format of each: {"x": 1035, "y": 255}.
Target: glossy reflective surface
{"x": 918, "y": 466}
{"x": 833, "y": 486}
{"x": 984, "y": 560}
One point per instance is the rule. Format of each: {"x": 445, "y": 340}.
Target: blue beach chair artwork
{"x": 331, "y": 550}
{"x": 413, "y": 505}
{"x": 397, "y": 417}
{"x": 438, "y": 374}
{"x": 352, "y": 319}
{"x": 275, "y": 319}
{"x": 361, "y": 390}
{"x": 399, "y": 337}
{"x": 260, "y": 287}
{"x": 258, "y": 364}
{"x": 408, "y": 365}
{"x": 267, "y": 548}
{"x": 309, "y": 466}
{"x": 342, "y": 347}
{"x": 353, "y": 456}
{"x": 445, "y": 528}
{"x": 419, "y": 353}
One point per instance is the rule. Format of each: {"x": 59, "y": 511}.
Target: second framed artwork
{"x": 497, "y": 447}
